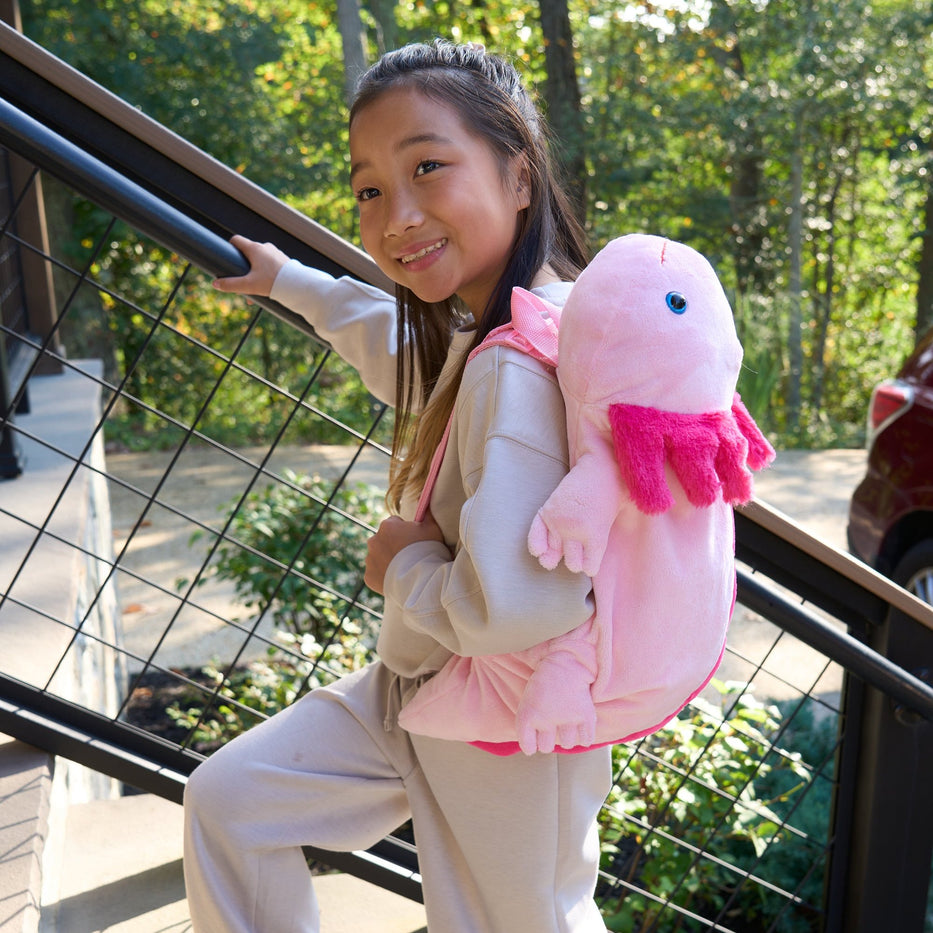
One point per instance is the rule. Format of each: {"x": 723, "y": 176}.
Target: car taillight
{"x": 888, "y": 401}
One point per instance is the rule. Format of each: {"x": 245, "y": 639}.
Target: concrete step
{"x": 119, "y": 870}
{"x": 25, "y": 801}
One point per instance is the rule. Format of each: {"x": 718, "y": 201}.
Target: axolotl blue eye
{"x": 676, "y": 302}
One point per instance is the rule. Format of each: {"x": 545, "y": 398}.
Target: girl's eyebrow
{"x": 405, "y": 143}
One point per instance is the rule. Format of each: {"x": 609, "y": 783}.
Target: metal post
{"x": 37, "y": 282}
{"x": 883, "y": 837}
{"x": 11, "y": 460}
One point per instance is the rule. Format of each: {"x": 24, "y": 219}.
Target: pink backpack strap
{"x": 533, "y": 330}
{"x": 424, "y": 500}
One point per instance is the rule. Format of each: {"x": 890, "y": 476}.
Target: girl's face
{"x": 437, "y": 212}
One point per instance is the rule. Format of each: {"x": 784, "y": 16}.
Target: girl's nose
{"x": 403, "y": 214}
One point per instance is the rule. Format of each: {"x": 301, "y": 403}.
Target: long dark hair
{"x": 491, "y": 99}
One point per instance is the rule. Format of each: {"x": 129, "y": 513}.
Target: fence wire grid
{"x": 240, "y": 498}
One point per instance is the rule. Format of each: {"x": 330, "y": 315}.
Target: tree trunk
{"x": 823, "y": 293}
{"x": 925, "y": 268}
{"x": 354, "y": 51}
{"x": 749, "y": 223}
{"x": 795, "y": 285}
{"x": 562, "y": 95}
{"x": 384, "y": 14}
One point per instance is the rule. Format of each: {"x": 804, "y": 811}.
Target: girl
{"x": 457, "y": 204}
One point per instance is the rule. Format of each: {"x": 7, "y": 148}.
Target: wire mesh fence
{"x": 197, "y": 383}
{"x": 238, "y": 468}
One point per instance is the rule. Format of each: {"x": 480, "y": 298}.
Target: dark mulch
{"x": 155, "y": 691}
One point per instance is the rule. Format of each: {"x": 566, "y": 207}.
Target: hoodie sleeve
{"x": 508, "y": 452}
{"x": 356, "y": 319}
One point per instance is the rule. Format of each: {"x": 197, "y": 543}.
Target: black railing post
{"x": 883, "y": 839}
{"x": 11, "y": 460}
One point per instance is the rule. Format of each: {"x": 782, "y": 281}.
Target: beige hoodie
{"x": 507, "y": 452}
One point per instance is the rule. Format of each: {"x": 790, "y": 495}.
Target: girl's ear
{"x": 522, "y": 180}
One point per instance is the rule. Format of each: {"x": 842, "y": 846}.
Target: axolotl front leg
{"x": 574, "y": 523}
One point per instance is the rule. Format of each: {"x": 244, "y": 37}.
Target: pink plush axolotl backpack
{"x": 660, "y": 450}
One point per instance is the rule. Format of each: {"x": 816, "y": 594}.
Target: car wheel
{"x": 914, "y": 571}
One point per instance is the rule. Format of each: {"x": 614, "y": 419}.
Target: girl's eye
{"x": 367, "y": 194}
{"x": 429, "y": 165}
{"x": 676, "y": 302}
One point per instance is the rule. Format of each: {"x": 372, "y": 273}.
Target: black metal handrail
{"x": 125, "y": 199}
{"x": 855, "y": 656}
{"x": 130, "y": 202}
{"x": 141, "y": 150}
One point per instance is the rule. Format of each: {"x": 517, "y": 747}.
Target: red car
{"x": 891, "y": 511}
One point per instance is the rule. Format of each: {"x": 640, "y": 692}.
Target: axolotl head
{"x": 647, "y": 323}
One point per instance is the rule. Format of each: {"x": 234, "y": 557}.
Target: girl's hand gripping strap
{"x": 533, "y": 330}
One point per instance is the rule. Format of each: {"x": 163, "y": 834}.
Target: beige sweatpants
{"x": 505, "y": 845}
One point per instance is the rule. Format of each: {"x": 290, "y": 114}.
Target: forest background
{"x": 791, "y": 141}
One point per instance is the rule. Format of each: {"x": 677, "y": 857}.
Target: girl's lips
{"x": 421, "y": 253}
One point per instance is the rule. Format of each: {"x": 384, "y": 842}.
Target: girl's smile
{"x": 427, "y": 251}
{"x": 439, "y": 211}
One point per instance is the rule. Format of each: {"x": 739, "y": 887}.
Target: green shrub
{"x": 691, "y": 812}
{"x": 292, "y": 554}
{"x": 263, "y": 688}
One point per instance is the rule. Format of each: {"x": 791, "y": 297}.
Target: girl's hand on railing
{"x": 265, "y": 261}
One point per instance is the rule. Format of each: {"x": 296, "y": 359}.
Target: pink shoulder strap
{"x": 533, "y": 330}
